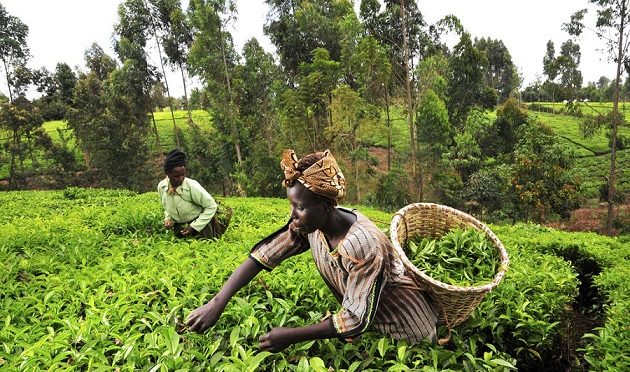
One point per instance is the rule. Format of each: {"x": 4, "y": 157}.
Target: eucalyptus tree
{"x": 401, "y": 28}
{"x": 108, "y": 121}
{"x": 564, "y": 67}
{"x": 14, "y": 50}
{"x": 176, "y": 37}
{"x": 132, "y": 30}
{"x": 213, "y": 59}
{"x": 19, "y": 117}
{"x": 568, "y": 62}
{"x": 56, "y": 88}
{"x": 306, "y": 109}
{"x": 406, "y": 42}
{"x": 135, "y": 27}
{"x": 466, "y": 83}
{"x": 48, "y": 102}
{"x": 613, "y": 29}
{"x": 433, "y": 74}
{"x": 258, "y": 82}
{"x": 350, "y": 114}
{"x": 89, "y": 105}
{"x": 550, "y": 70}
{"x": 373, "y": 73}
{"x": 434, "y": 133}
{"x": 297, "y": 27}
{"x": 501, "y": 74}
{"x": 65, "y": 80}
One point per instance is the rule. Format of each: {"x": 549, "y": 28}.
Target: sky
{"x": 61, "y": 30}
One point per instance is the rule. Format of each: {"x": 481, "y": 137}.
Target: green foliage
{"x": 593, "y": 170}
{"x": 207, "y": 163}
{"x": 432, "y": 123}
{"x": 19, "y": 119}
{"x": 466, "y": 84}
{"x": 501, "y": 75}
{"x": 298, "y": 28}
{"x": 524, "y": 313}
{"x": 109, "y": 114}
{"x": 501, "y": 139}
{"x": 461, "y": 257}
{"x": 487, "y": 190}
{"x": 13, "y": 48}
{"x": 432, "y": 73}
{"x": 611, "y": 255}
{"x": 392, "y": 192}
{"x": 102, "y": 285}
{"x": 539, "y": 180}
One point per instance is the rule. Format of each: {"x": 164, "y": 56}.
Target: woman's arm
{"x": 282, "y": 337}
{"x": 201, "y": 197}
{"x": 204, "y": 317}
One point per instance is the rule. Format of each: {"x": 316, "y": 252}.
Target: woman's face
{"x": 176, "y": 175}
{"x": 308, "y": 213}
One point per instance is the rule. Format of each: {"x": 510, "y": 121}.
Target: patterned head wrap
{"x": 323, "y": 177}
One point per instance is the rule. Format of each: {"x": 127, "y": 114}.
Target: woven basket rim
{"x": 505, "y": 261}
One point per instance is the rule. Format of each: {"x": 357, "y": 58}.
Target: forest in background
{"x": 409, "y": 118}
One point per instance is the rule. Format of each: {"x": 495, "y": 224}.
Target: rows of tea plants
{"x": 90, "y": 280}
{"x": 588, "y": 108}
{"x": 594, "y": 170}
{"x": 59, "y": 132}
{"x": 592, "y": 164}
{"x": 163, "y": 122}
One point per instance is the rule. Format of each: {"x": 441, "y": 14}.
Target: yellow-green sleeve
{"x": 202, "y": 198}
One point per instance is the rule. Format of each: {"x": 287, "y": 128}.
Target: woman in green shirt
{"x": 188, "y": 208}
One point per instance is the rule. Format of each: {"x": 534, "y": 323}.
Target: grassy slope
{"x": 163, "y": 121}
{"x": 590, "y": 168}
{"x": 593, "y": 158}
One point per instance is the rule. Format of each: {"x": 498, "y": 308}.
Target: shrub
{"x": 392, "y": 193}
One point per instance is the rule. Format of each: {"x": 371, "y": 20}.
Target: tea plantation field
{"x": 592, "y": 155}
{"x": 91, "y": 281}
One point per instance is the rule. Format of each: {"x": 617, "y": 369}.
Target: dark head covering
{"x": 173, "y": 159}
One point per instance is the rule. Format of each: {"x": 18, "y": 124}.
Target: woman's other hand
{"x": 168, "y": 224}
{"x": 187, "y": 231}
{"x": 277, "y": 339}
{"x": 204, "y": 317}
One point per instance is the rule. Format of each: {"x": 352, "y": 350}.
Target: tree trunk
{"x": 6, "y": 71}
{"x": 18, "y": 143}
{"x": 30, "y": 151}
{"x": 181, "y": 68}
{"x": 613, "y": 131}
{"x": 12, "y": 168}
{"x": 237, "y": 145}
{"x": 389, "y": 131}
{"x": 168, "y": 92}
{"x": 412, "y": 130}
{"x": 157, "y": 135}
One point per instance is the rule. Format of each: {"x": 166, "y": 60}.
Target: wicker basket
{"x": 454, "y": 304}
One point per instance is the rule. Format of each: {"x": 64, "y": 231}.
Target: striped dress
{"x": 365, "y": 275}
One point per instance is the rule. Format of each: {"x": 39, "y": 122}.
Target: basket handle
{"x": 445, "y": 340}
{"x": 404, "y": 220}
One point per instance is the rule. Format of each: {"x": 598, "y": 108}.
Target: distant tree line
{"x": 339, "y": 77}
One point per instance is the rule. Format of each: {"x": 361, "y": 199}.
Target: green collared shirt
{"x": 191, "y": 202}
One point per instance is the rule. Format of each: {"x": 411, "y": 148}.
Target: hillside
{"x": 592, "y": 154}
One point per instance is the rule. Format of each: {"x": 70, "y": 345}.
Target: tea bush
{"x": 90, "y": 280}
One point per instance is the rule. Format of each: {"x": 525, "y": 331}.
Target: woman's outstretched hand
{"x": 277, "y": 339}
{"x": 204, "y": 317}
